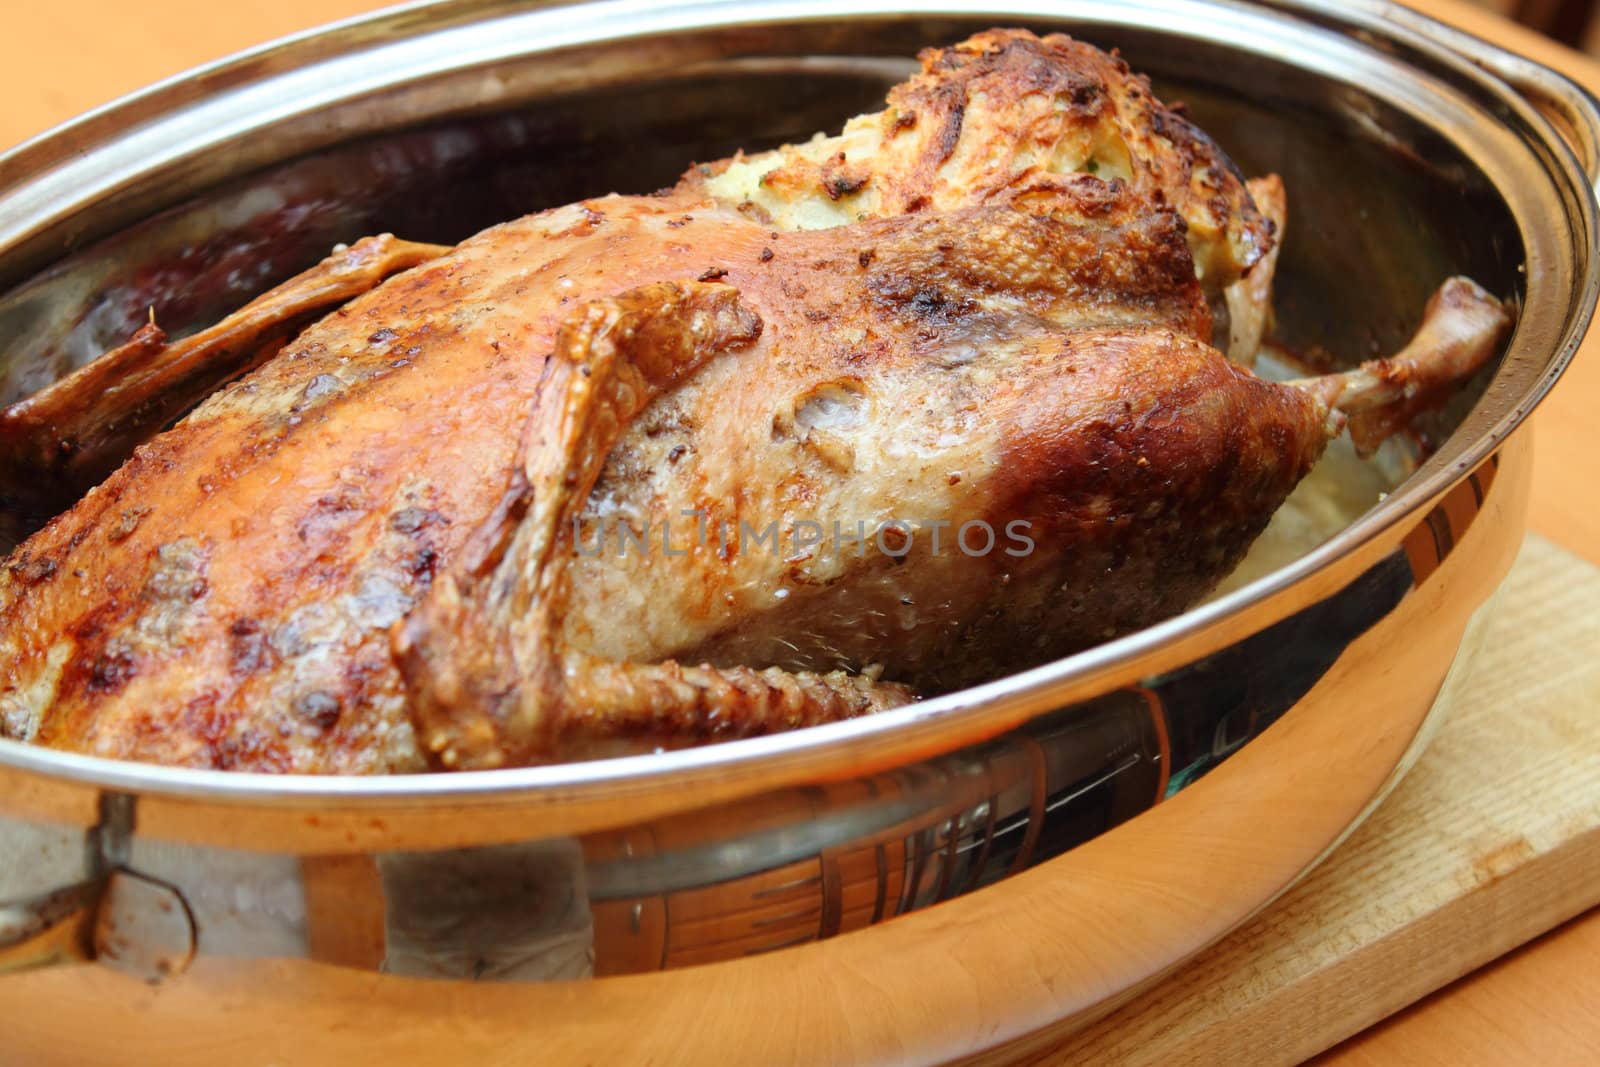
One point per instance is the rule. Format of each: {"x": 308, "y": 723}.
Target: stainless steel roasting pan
{"x": 772, "y": 899}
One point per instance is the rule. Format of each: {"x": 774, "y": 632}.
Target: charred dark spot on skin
{"x": 840, "y": 179}
{"x": 89, "y": 629}
{"x": 127, "y": 523}
{"x": 755, "y": 212}
{"x": 330, "y": 511}
{"x": 915, "y": 295}
{"x": 411, "y": 520}
{"x": 712, "y": 274}
{"x": 423, "y": 566}
{"x": 32, "y": 570}
{"x": 320, "y": 708}
{"x": 112, "y": 669}
{"x": 950, "y": 131}
{"x": 933, "y": 305}
{"x": 249, "y": 651}
{"x": 226, "y": 743}
{"x": 1043, "y": 75}
{"x": 1195, "y": 142}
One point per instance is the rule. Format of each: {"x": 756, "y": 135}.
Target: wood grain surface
{"x": 1535, "y": 1005}
{"x": 1490, "y": 841}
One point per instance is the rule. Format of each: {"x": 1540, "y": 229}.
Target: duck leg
{"x": 489, "y": 680}
{"x": 1461, "y": 329}
{"x": 58, "y": 443}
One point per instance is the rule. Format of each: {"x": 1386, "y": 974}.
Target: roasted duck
{"x": 655, "y": 470}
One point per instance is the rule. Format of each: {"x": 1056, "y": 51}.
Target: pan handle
{"x": 1569, "y": 107}
{"x": 126, "y": 921}
{"x": 1566, "y": 105}
{"x": 54, "y": 927}
{"x": 115, "y": 916}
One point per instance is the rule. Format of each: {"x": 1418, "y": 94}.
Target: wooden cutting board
{"x": 1492, "y": 839}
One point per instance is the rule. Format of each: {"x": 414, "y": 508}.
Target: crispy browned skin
{"x": 1136, "y": 458}
{"x": 1010, "y": 117}
{"x": 329, "y": 486}
{"x": 62, "y": 440}
{"x": 489, "y": 676}
{"x": 354, "y": 559}
{"x": 912, "y": 369}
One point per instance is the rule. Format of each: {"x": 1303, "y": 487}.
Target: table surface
{"x": 1538, "y": 1004}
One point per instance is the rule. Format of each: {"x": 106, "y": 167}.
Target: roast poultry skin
{"x": 989, "y": 303}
